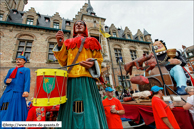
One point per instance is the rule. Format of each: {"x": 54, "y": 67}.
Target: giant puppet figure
{"x": 82, "y": 91}
{"x": 175, "y": 69}
{"x": 12, "y": 103}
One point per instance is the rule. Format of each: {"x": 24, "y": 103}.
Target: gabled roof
{"x": 146, "y": 33}
{"x": 17, "y": 18}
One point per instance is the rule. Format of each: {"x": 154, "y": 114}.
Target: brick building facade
{"x": 34, "y": 34}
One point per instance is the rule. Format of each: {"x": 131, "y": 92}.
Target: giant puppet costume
{"x": 81, "y": 86}
{"x": 175, "y": 69}
{"x": 12, "y": 103}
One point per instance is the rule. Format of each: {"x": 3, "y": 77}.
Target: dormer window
{"x": 114, "y": 34}
{"x": 92, "y": 14}
{"x": 14, "y": 12}
{"x": 1, "y": 17}
{"x": 29, "y": 21}
{"x": 128, "y": 36}
{"x": 46, "y": 19}
{"x": 56, "y": 25}
{"x": 141, "y": 38}
{"x": 67, "y": 23}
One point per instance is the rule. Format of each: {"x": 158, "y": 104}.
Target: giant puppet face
{"x": 160, "y": 46}
{"x": 20, "y": 61}
{"x": 79, "y": 27}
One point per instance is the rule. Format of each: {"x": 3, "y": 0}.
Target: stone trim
{"x": 25, "y": 34}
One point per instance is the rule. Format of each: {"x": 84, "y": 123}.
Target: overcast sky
{"x": 171, "y": 21}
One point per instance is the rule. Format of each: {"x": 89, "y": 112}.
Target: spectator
{"x": 113, "y": 109}
{"x": 117, "y": 94}
{"x": 163, "y": 116}
{"x": 190, "y": 100}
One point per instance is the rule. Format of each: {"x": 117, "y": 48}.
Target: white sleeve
{"x": 190, "y": 100}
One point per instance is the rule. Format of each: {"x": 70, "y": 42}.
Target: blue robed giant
{"x": 12, "y": 105}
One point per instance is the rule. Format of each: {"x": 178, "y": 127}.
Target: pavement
{"x": 126, "y": 125}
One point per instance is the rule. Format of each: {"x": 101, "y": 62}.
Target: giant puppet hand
{"x": 60, "y": 35}
{"x": 25, "y": 94}
{"x": 87, "y": 64}
{"x": 174, "y": 61}
{"x": 9, "y": 80}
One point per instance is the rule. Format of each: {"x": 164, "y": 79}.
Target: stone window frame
{"x": 114, "y": 32}
{"x": 31, "y": 14}
{"x": 55, "y": 25}
{"x": 127, "y": 36}
{"x": 24, "y": 50}
{"x": 126, "y": 82}
{"x": 56, "y": 18}
{"x": 1, "y": 17}
{"x": 146, "y": 52}
{"x": 118, "y": 54}
{"x": 141, "y": 38}
{"x": 132, "y": 52}
{"x": 133, "y": 49}
{"x": 50, "y": 52}
{"x": 31, "y": 21}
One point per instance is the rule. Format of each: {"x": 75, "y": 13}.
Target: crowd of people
{"x": 82, "y": 87}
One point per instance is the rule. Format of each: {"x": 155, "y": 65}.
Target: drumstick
{"x": 74, "y": 64}
{"x": 61, "y": 30}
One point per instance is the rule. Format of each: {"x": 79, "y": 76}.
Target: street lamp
{"x": 119, "y": 59}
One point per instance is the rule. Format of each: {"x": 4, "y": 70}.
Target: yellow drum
{"x": 50, "y": 87}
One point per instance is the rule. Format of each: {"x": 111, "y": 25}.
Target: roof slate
{"x": 17, "y": 18}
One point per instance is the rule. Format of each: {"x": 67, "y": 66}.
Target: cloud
{"x": 171, "y": 21}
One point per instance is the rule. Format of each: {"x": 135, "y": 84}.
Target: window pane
{"x": 127, "y": 77}
{"x": 116, "y": 54}
{"x": 18, "y": 54}
{"x": 50, "y": 50}
{"x": 56, "y": 25}
{"x": 28, "y": 49}
{"x": 1, "y": 17}
{"x": 51, "y": 57}
{"x": 114, "y": 34}
{"x": 120, "y": 83}
{"x": 27, "y": 55}
{"x": 20, "y": 48}
{"x": 119, "y": 77}
{"x": 51, "y": 45}
{"x": 115, "y": 50}
{"x": 29, "y": 43}
{"x": 119, "y": 51}
{"x": 120, "y": 55}
{"x": 22, "y": 43}
{"x": 30, "y": 21}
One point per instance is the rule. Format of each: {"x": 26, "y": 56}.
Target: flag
{"x": 106, "y": 35}
{"x": 22, "y": 54}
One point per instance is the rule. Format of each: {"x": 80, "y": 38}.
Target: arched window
{"x": 51, "y": 43}
{"x": 24, "y": 46}
{"x": 114, "y": 34}
{"x": 133, "y": 53}
{"x": 30, "y": 20}
{"x": 56, "y": 24}
{"x": 118, "y": 54}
